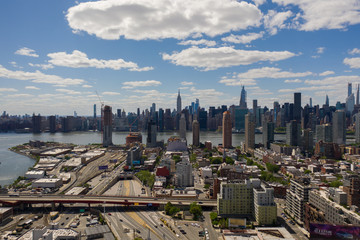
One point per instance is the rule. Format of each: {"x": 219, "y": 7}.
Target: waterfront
{"x": 14, "y": 165}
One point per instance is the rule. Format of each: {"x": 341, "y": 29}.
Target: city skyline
{"x": 53, "y": 63}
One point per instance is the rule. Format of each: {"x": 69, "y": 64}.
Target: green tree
{"x": 336, "y": 184}
{"x": 168, "y": 206}
{"x": 173, "y": 210}
{"x": 272, "y": 167}
{"x": 176, "y": 158}
{"x": 206, "y": 186}
{"x": 216, "y": 160}
{"x": 195, "y": 210}
{"x": 249, "y": 162}
{"x": 229, "y": 160}
{"x": 307, "y": 171}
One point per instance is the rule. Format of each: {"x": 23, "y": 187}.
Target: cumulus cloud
{"x": 332, "y": 81}
{"x": 244, "y": 39}
{"x": 293, "y": 81}
{"x": 160, "y": 19}
{"x": 213, "y": 58}
{"x": 78, "y": 59}
{"x": 111, "y": 93}
{"x": 352, "y": 62}
{"x": 8, "y": 90}
{"x": 237, "y": 82}
{"x": 26, "y": 52}
{"x": 198, "y": 42}
{"x": 319, "y": 14}
{"x": 271, "y": 72}
{"x": 276, "y": 20}
{"x": 135, "y": 84}
{"x": 354, "y": 51}
{"x": 32, "y": 88}
{"x": 184, "y": 83}
{"x": 68, "y": 91}
{"x": 38, "y": 77}
{"x": 42, "y": 66}
{"x": 320, "y": 50}
{"x": 87, "y": 86}
{"x": 326, "y": 73}
{"x": 259, "y": 2}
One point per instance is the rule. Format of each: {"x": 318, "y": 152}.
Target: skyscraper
{"x": 357, "y": 95}
{"x": 324, "y": 133}
{"x": 196, "y": 133}
{"x": 249, "y": 132}
{"x": 268, "y": 133}
{"x": 178, "y": 103}
{"x": 255, "y": 106}
{"x": 297, "y": 107}
{"x": 349, "y": 89}
{"x": 243, "y": 104}
{"x": 182, "y": 126}
{"x": 94, "y": 111}
{"x": 151, "y": 137}
{"x": 227, "y": 134}
{"x": 52, "y": 124}
{"x": 36, "y": 121}
{"x": 293, "y": 133}
{"x": 339, "y": 127}
{"x": 350, "y": 103}
{"x": 107, "y": 133}
{"x": 327, "y": 100}
{"x": 357, "y": 128}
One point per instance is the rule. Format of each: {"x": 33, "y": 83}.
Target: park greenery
{"x": 195, "y": 210}
{"x": 146, "y": 178}
{"x": 171, "y": 210}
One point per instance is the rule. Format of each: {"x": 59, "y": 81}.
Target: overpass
{"x": 121, "y": 200}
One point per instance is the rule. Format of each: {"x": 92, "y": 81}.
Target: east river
{"x": 14, "y": 165}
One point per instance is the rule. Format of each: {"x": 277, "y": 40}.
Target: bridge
{"x": 88, "y": 199}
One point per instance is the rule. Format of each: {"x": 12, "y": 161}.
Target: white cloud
{"x": 38, "y": 77}
{"x": 111, "y": 93}
{"x": 354, "y": 51}
{"x": 320, "y": 14}
{"x": 42, "y": 66}
{"x": 135, "y": 84}
{"x": 352, "y": 62}
{"x": 184, "y": 83}
{"x": 332, "y": 81}
{"x": 237, "y": 82}
{"x": 293, "y": 81}
{"x": 214, "y": 58}
{"x": 276, "y": 20}
{"x": 326, "y": 73}
{"x": 8, "y": 90}
{"x": 205, "y": 93}
{"x": 271, "y": 72}
{"x": 32, "y": 88}
{"x": 68, "y": 91}
{"x": 87, "y": 86}
{"x": 198, "y": 42}
{"x": 26, "y": 52}
{"x": 259, "y": 2}
{"x": 20, "y": 95}
{"x": 78, "y": 59}
{"x": 320, "y": 50}
{"x": 159, "y": 19}
{"x": 246, "y": 38}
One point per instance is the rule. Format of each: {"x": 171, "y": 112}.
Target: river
{"x": 14, "y": 165}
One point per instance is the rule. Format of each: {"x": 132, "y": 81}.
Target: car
{"x": 120, "y": 220}
{"x": 67, "y": 218}
{"x": 200, "y": 202}
{"x": 62, "y": 224}
{"x": 138, "y": 231}
{"x": 155, "y": 226}
{"x": 109, "y": 214}
{"x": 161, "y": 225}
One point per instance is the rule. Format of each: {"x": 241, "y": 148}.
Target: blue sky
{"x": 56, "y": 54}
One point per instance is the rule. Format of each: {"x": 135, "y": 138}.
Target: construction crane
{"x": 102, "y": 115}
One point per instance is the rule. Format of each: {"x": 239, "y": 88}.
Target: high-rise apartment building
{"x": 296, "y": 196}
{"x": 151, "y": 137}
{"x": 182, "y": 129}
{"x": 196, "y": 133}
{"x": 255, "y": 107}
{"x": 36, "y": 121}
{"x": 357, "y": 128}
{"x": 339, "y": 127}
{"x": 324, "y": 133}
{"x": 268, "y": 133}
{"x": 249, "y": 132}
{"x": 107, "y": 130}
{"x": 227, "y": 134}
{"x": 184, "y": 174}
{"x": 52, "y": 124}
{"x": 352, "y": 189}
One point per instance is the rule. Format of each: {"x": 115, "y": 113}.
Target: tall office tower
{"x": 255, "y": 106}
{"x": 227, "y": 134}
{"x": 349, "y": 89}
{"x": 107, "y": 133}
{"x": 296, "y": 196}
{"x": 327, "y": 100}
{"x": 161, "y": 120}
{"x": 243, "y": 103}
{"x": 308, "y": 140}
{"x": 151, "y": 136}
{"x": 184, "y": 173}
{"x": 311, "y": 102}
{"x": 138, "y": 112}
{"x": 297, "y": 107}
{"x": 350, "y": 103}
{"x": 324, "y": 133}
{"x": 249, "y": 132}
{"x": 196, "y": 106}
{"x": 357, "y": 128}
{"x": 94, "y": 111}
{"x": 357, "y": 95}
{"x": 182, "y": 129}
{"x": 293, "y": 133}
{"x": 239, "y": 118}
{"x": 118, "y": 113}
{"x": 178, "y": 103}
{"x": 196, "y": 133}
{"x": 52, "y": 124}
{"x": 339, "y": 127}
{"x": 36, "y": 121}
{"x": 202, "y": 118}
{"x": 268, "y": 133}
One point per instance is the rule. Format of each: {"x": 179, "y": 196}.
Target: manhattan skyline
{"x": 56, "y": 55}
